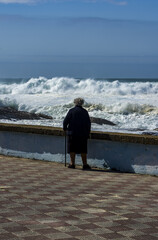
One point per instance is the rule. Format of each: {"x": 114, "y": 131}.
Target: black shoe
{"x": 86, "y": 167}
{"x": 71, "y": 166}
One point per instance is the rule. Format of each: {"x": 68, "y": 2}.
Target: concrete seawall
{"x": 124, "y": 152}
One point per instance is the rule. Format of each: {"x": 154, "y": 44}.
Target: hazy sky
{"x": 58, "y": 32}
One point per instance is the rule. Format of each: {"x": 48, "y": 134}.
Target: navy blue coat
{"x": 77, "y": 122}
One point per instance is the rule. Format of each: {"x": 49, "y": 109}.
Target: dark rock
{"x": 101, "y": 121}
{"x": 150, "y": 133}
{"x": 12, "y": 113}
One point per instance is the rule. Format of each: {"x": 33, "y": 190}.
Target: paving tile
{"x": 131, "y": 233}
{"x": 100, "y": 231}
{"x": 91, "y": 238}
{"x": 3, "y": 231}
{"x": 40, "y": 237}
{"x": 59, "y": 235}
{"x": 145, "y": 237}
{"x": 28, "y": 233}
{"x": 7, "y": 236}
{"x": 80, "y": 233}
{"x": 139, "y": 226}
{"x": 72, "y": 238}
{"x": 46, "y": 201}
{"x": 68, "y": 228}
{"x": 45, "y": 231}
{"x": 113, "y": 235}
{"x": 154, "y": 234}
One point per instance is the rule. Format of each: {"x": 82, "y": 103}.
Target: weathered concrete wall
{"x": 118, "y": 137}
{"x": 125, "y": 156}
{"x": 124, "y": 152}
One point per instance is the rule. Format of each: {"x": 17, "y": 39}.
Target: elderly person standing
{"x": 78, "y": 124}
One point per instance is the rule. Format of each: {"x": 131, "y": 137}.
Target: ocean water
{"x": 132, "y": 104}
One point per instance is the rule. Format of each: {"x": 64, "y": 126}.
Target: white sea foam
{"x": 64, "y": 85}
{"x": 131, "y": 105}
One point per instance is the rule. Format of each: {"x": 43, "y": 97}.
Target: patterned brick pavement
{"x": 44, "y": 200}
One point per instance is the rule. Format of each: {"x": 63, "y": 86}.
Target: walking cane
{"x": 65, "y": 148}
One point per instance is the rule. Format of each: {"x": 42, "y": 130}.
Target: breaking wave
{"x": 6, "y": 102}
{"x": 60, "y": 85}
{"x": 132, "y": 108}
{"x": 60, "y": 110}
{"x": 130, "y": 104}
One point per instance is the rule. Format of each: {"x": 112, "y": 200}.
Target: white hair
{"x": 78, "y": 101}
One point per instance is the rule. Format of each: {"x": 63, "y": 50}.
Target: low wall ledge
{"x": 109, "y": 136}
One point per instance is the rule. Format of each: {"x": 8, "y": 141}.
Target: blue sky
{"x": 48, "y": 37}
